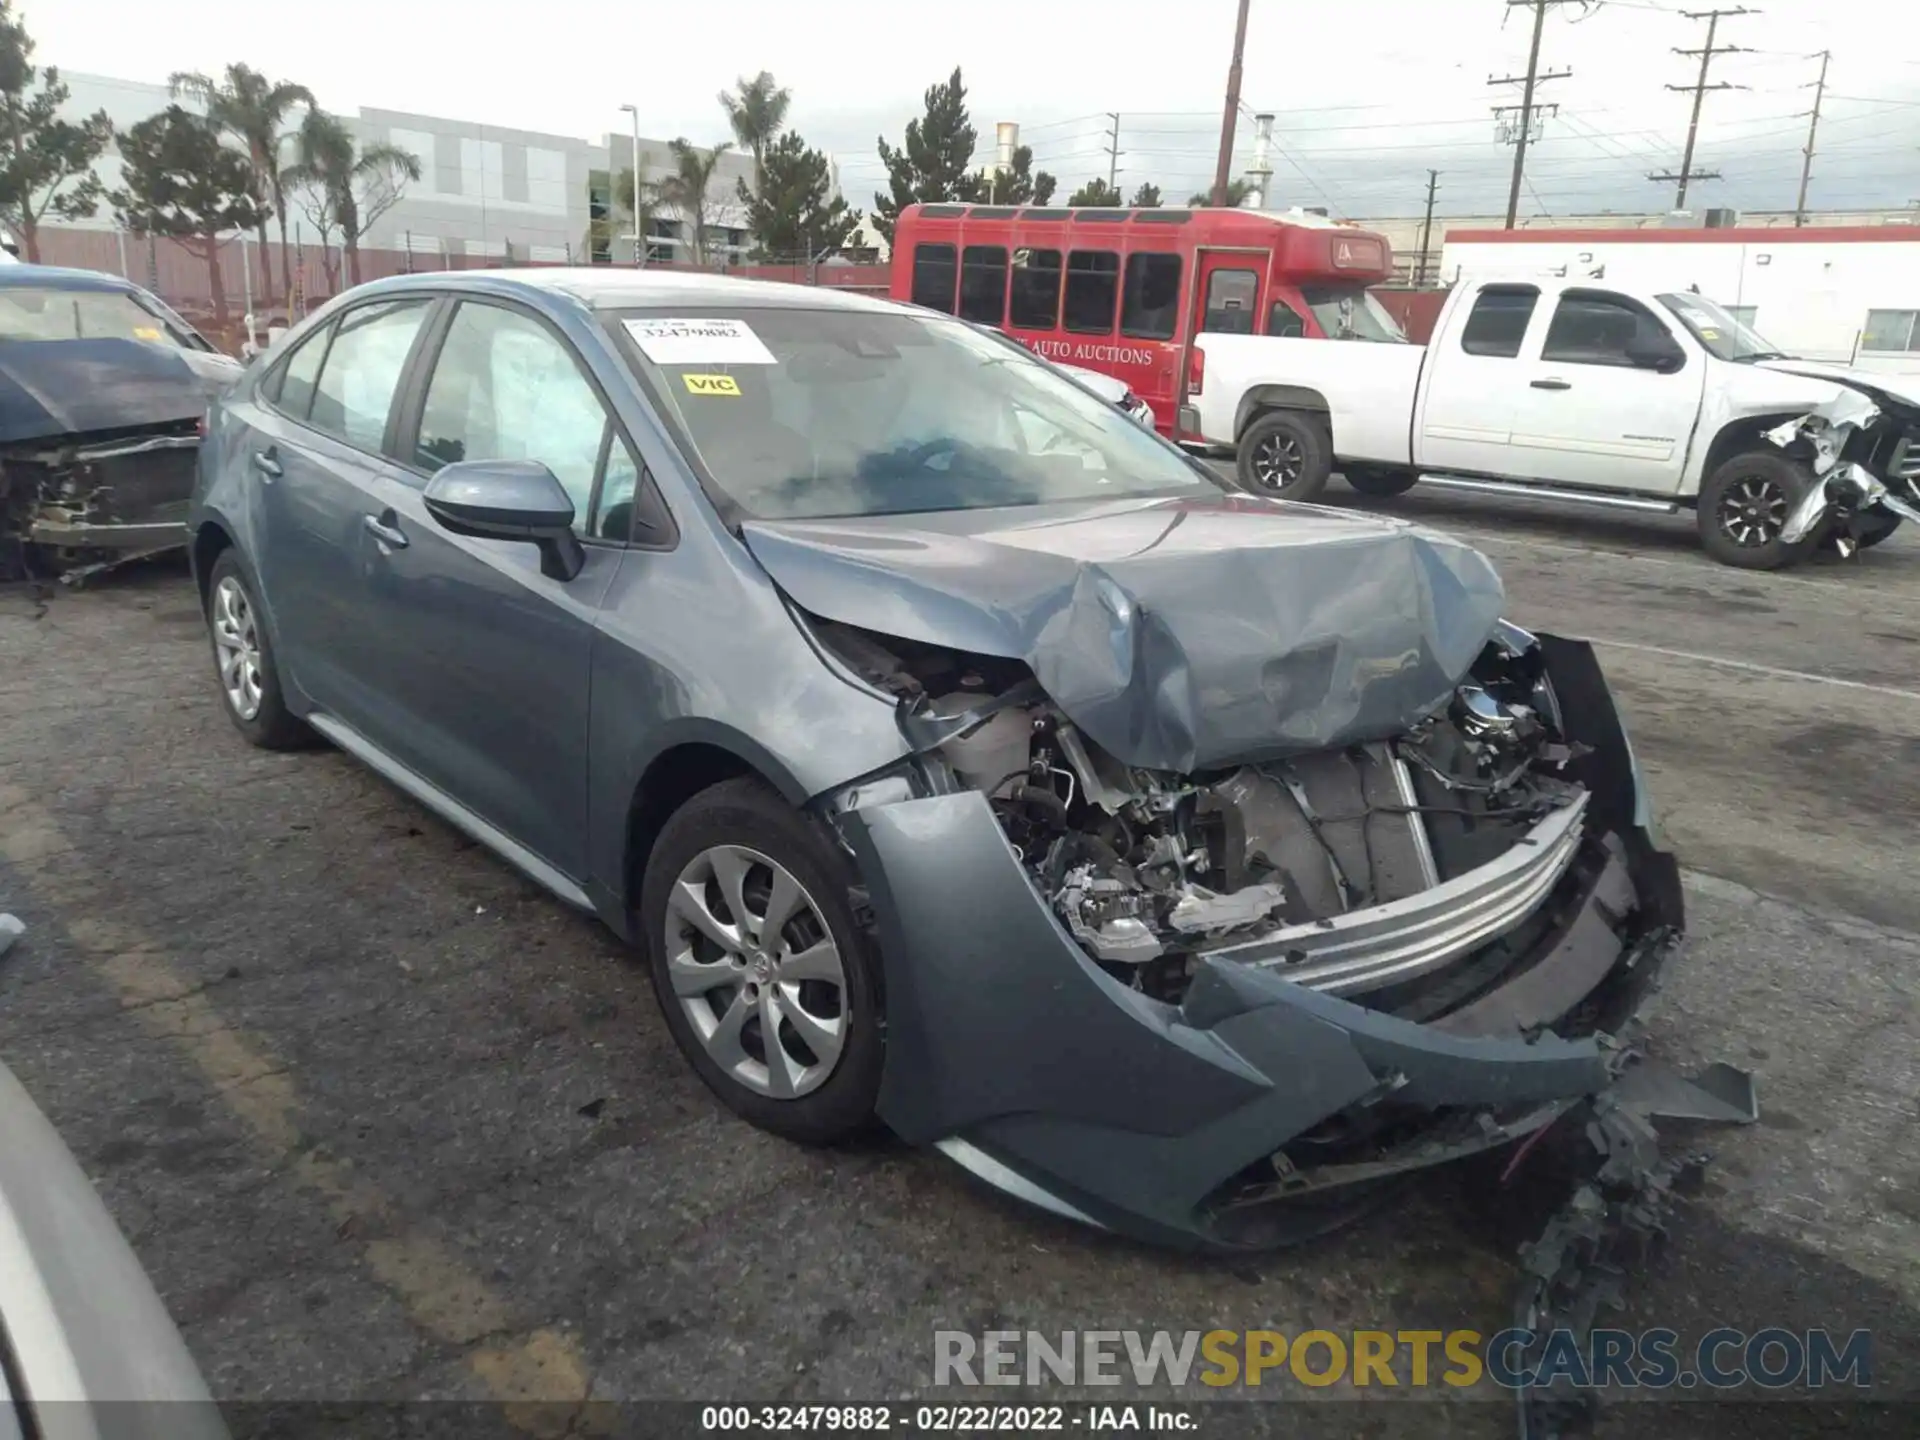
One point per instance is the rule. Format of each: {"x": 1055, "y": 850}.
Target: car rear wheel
{"x": 1285, "y": 455}
{"x": 1378, "y": 481}
{"x": 1743, "y": 509}
{"x": 243, "y": 660}
{"x": 771, "y": 989}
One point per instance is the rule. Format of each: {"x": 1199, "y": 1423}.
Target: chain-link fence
{"x": 275, "y": 287}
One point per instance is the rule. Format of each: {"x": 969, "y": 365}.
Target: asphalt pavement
{"x": 385, "y": 1122}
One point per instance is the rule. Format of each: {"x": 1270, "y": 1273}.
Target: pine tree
{"x": 934, "y": 162}
{"x": 1095, "y": 192}
{"x": 795, "y": 214}
{"x": 181, "y": 182}
{"x": 1018, "y": 184}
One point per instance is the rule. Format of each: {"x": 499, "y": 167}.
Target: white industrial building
{"x": 483, "y": 189}
{"x": 1849, "y": 294}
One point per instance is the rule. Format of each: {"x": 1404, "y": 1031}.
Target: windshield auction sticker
{"x": 699, "y": 342}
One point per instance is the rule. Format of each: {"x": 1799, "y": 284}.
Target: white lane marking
{"x": 1774, "y": 671}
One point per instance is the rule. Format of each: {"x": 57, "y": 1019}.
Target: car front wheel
{"x": 770, "y": 988}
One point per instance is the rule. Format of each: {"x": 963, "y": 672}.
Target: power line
{"x": 1700, "y": 88}
{"x": 1527, "y": 82}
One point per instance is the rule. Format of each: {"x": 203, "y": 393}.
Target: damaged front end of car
{"x": 1202, "y": 924}
{"x": 99, "y": 440}
{"x": 1863, "y": 450}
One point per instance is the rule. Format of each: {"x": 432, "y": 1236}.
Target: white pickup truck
{"x": 1573, "y": 390}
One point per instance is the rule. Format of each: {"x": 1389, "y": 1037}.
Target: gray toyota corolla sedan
{"x": 958, "y": 752}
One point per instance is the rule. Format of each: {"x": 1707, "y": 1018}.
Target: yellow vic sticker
{"x": 146, "y": 332}
{"x": 711, "y": 384}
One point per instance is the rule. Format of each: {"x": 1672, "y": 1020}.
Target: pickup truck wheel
{"x": 1285, "y": 455}
{"x": 1743, "y": 507}
{"x": 1370, "y": 480}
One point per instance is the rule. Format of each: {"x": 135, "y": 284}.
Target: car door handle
{"x": 267, "y": 462}
{"x": 1550, "y": 384}
{"x": 386, "y": 529}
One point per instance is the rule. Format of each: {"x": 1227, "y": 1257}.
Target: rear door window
{"x": 935, "y": 268}
{"x": 1150, "y": 306}
{"x": 1093, "y": 291}
{"x": 370, "y": 348}
{"x": 983, "y": 284}
{"x": 1036, "y": 289}
{"x": 1230, "y": 297}
{"x": 291, "y": 386}
{"x": 1497, "y": 323}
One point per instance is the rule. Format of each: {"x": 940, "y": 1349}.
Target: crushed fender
{"x": 1613, "y": 1222}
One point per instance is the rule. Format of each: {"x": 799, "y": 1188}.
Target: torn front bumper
{"x": 1260, "y": 1109}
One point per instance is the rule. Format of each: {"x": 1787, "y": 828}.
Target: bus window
{"x": 983, "y": 284}
{"x": 1284, "y": 320}
{"x": 1093, "y": 285}
{"x": 1230, "y": 296}
{"x": 1150, "y": 305}
{"x": 934, "y": 272}
{"x": 1036, "y": 289}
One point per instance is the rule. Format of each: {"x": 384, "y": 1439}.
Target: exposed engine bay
{"x": 1352, "y": 869}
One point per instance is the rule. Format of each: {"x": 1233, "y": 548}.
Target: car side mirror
{"x": 509, "y": 500}
{"x": 1655, "y": 352}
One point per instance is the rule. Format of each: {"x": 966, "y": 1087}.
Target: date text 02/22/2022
{"x": 945, "y": 1419}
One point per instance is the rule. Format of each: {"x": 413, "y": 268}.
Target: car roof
{"x": 60, "y": 278}
{"x": 606, "y": 287}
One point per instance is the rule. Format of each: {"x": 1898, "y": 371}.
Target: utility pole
{"x": 1699, "y": 89}
{"x": 1813, "y": 129}
{"x": 1528, "y": 81}
{"x": 1221, "y": 174}
{"x": 1113, "y": 151}
{"x": 1426, "y": 230}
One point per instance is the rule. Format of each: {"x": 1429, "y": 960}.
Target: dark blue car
{"x": 960, "y": 753}
{"x": 102, "y": 390}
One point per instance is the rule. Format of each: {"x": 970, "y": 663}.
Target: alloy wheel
{"x": 1277, "y": 463}
{"x": 1753, "y": 511}
{"x": 236, "y": 643}
{"x": 756, "y": 971}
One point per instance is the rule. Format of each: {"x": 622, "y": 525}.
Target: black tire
{"x": 1875, "y": 526}
{"x": 271, "y": 726}
{"x": 746, "y": 813}
{"x": 1285, "y": 455}
{"x": 1378, "y": 482}
{"x": 1743, "y": 507}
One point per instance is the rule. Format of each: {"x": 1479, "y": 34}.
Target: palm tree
{"x": 1237, "y": 191}
{"x": 254, "y": 110}
{"x": 348, "y": 188}
{"x": 757, "y": 110}
{"x": 686, "y": 188}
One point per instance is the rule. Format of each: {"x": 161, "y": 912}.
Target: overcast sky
{"x": 1369, "y": 93}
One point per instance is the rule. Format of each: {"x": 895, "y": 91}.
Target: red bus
{"x": 1126, "y": 291}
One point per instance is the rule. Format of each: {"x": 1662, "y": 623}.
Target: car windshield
{"x": 37, "y": 312}
{"x": 1349, "y": 312}
{"x": 1725, "y": 337}
{"x": 801, "y": 413}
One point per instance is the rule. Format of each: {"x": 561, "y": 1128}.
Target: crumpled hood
{"x": 1896, "y": 394}
{"x": 1180, "y": 634}
{"x": 51, "y": 388}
